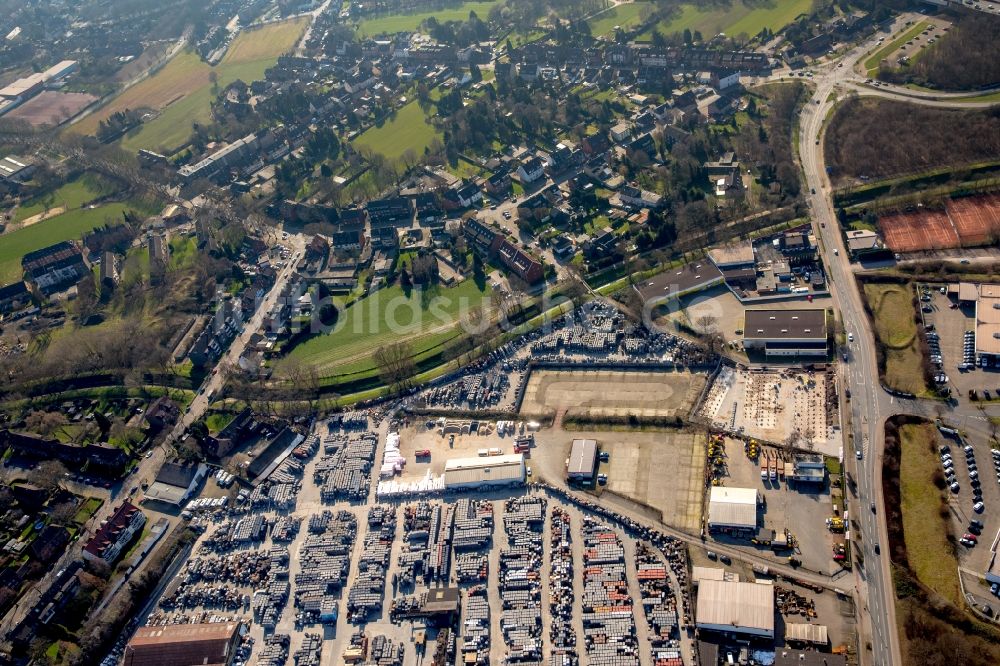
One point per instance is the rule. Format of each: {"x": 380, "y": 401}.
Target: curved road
{"x": 870, "y": 405}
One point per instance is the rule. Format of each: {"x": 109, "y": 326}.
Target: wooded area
{"x": 966, "y": 58}
{"x": 878, "y": 138}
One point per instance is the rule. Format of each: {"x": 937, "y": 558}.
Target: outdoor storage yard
{"x": 787, "y": 406}
{"x": 634, "y": 468}
{"x": 611, "y": 393}
{"x": 312, "y": 558}
{"x": 802, "y": 509}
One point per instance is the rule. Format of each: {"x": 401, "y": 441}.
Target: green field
{"x": 69, "y": 225}
{"x": 872, "y": 63}
{"x": 625, "y": 16}
{"x": 73, "y": 194}
{"x": 409, "y": 129}
{"x": 387, "y": 316}
{"x": 182, "y": 90}
{"x": 410, "y": 22}
{"x": 925, "y": 532}
{"x": 737, "y": 19}
{"x": 897, "y": 332}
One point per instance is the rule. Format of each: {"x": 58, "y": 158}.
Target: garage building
{"x": 488, "y": 471}
{"x": 733, "y": 510}
{"x": 785, "y": 332}
{"x": 745, "y": 609}
{"x": 582, "y": 460}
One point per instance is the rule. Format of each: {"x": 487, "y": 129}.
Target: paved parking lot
{"x": 950, "y": 325}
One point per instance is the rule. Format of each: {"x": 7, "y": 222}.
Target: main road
{"x": 870, "y": 405}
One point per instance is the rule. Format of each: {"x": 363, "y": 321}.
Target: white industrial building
{"x": 735, "y": 608}
{"x": 732, "y": 509}
{"x": 582, "y": 460}
{"x": 485, "y": 471}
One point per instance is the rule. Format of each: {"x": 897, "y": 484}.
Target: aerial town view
{"x": 500, "y": 332}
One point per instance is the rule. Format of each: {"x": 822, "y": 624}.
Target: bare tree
{"x": 47, "y": 474}
{"x": 395, "y": 364}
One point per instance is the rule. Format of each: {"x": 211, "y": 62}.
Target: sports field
{"x": 70, "y": 196}
{"x": 625, "y": 16}
{"x": 182, "y": 91}
{"x": 611, "y": 393}
{"x": 410, "y": 129}
{"x": 69, "y": 225}
{"x": 740, "y": 17}
{"x": 410, "y": 22}
{"x": 964, "y": 222}
{"x": 424, "y": 319}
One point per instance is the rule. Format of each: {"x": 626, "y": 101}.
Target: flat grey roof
{"x": 784, "y": 324}
{"x": 582, "y": 457}
{"x": 679, "y": 280}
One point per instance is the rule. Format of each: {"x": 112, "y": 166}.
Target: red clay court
{"x": 918, "y": 230}
{"x": 968, "y": 221}
{"x": 51, "y": 107}
{"x": 977, "y": 219}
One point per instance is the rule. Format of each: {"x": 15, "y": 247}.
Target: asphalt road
{"x": 870, "y": 404}
{"x": 216, "y": 381}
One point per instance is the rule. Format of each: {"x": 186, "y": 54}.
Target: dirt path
{"x": 34, "y": 219}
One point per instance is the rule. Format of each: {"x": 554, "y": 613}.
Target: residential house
{"x": 50, "y": 543}
{"x": 98, "y": 458}
{"x": 162, "y": 413}
{"x": 639, "y": 198}
{"x": 595, "y": 144}
{"x": 55, "y": 268}
{"x": 468, "y": 195}
{"x": 110, "y": 270}
{"x": 621, "y": 132}
{"x": 499, "y": 183}
{"x": 14, "y": 297}
{"x": 114, "y": 534}
{"x": 395, "y": 211}
{"x": 531, "y": 170}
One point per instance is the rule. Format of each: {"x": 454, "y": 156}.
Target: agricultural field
{"x": 70, "y": 196}
{"x": 626, "y": 16}
{"x": 183, "y": 90}
{"x": 739, "y": 18}
{"x": 424, "y": 319}
{"x": 394, "y": 23}
{"x": 892, "y": 305}
{"x": 408, "y": 130}
{"x": 69, "y": 225}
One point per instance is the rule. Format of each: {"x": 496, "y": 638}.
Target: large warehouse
{"x": 785, "y": 332}
{"x": 486, "y": 471}
{"x": 183, "y": 645}
{"x": 732, "y": 510}
{"x": 736, "y": 608}
{"x": 582, "y": 460}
